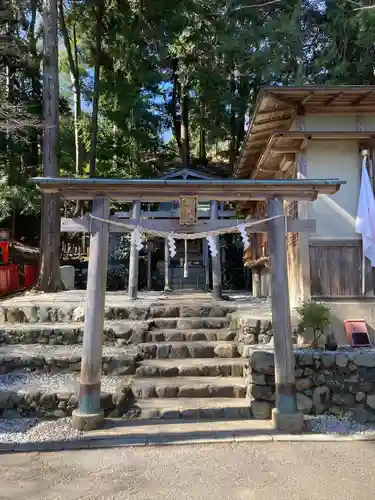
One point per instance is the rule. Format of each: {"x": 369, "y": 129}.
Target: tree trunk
{"x": 76, "y": 86}
{"x": 202, "y": 133}
{"x": 185, "y": 146}
{"x": 233, "y": 129}
{"x": 99, "y": 12}
{"x": 33, "y": 157}
{"x": 176, "y": 120}
{"x": 49, "y": 274}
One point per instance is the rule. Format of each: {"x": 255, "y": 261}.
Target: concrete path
{"x": 245, "y": 471}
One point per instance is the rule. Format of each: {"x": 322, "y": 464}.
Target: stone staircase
{"x": 159, "y": 361}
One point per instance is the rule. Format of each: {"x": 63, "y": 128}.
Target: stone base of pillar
{"x": 217, "y": 293}
{"x": 133, "y": 292}
{"x": 167, "y": 289}
{"x": 291, "y": 423}
{"x": 87, "y": 421}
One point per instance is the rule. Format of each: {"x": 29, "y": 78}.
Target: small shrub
{"x": 315, "y": 317}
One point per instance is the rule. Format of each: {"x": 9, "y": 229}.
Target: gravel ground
{"x": 28, "y": 430}
{"x": 329, "y": 424}
{"x": 23, "y": 381}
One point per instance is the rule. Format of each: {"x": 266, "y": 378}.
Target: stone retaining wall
{"x": 119, "y": 334}
{"x": 62, "y": 314}
{"x": 70, "y": 362}
{"x": 336, "y": 383}
{"x": 60, "y": 404}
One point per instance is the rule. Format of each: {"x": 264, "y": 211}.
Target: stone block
{"x": 144, "y": 390}
{"x": 179, "y": 352}
{"x": 261, "y": 410}
{"x": 175, "y": 337}
{"x": 304, "y": 403}
{"x": 201, "y": 351}
{"x": 222, "y": 391}
{"x": 68, "y": 277}
{"x": 189, "y": 371}
{"x": 321, "y": 399}
{"x": 226, "y": 351}
{"x": 169, "y": 372}
{"x": 193, "y": 391}
{"x": 303, "y": 384}
{"x": 149, "y": 351}
{"x": 190, "y": 323}
{"x": 263, "y": 362}
{"x": 257, "y": 378}
{"x": 147, "y": 371}
{"x": 138, "y": 313}
{"x": 189, "y": 413}
{"x": 262, "y": 392}
{"x": 226, "y": 335}
{"x": 365, "y": 359}
{"x": 360, "y": 397}
{"x": 163, "y": 351}
{"x": 166, "y": 391}
{"x": 78, "y": 314}
{"x": 123, "y": 331}
{"x": 343, "y": 399}
{"x": 370, "y": 400}
{"x": 163, "y": 312}
{"x": 342, "y": 360}
{"x": 169, "y": 414}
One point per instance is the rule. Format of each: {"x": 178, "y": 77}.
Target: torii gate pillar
{"x": 89, "y": 415}
{"x": 285, "y": 416}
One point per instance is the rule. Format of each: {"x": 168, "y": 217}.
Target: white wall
{"x": 330, "y": 123}
{"x": 335, "y": 215}
{"x": 320, "y": 123}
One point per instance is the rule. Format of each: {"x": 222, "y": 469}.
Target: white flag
{"x": 365, "y": 223}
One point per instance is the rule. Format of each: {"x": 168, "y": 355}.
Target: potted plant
{"x": 314, "y": 317}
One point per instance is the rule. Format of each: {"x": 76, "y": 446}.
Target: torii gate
{"x": 285, "y": 416}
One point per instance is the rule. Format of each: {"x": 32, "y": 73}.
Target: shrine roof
{"x": 276, "y": 109}
{"x": 154, "y": 190}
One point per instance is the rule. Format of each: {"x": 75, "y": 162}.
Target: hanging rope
{"x": 189, "y": 236}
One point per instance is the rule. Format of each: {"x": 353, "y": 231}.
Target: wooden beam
{"x": 273, "y": 123}
{"x": 360, "y": 99}
{"x": 273, "y": 111}
{"x": 82, "y": 225}
{"x": 283, "y": 100}
{"x": 285, "y": 150}
{"x": 285, "y": 416}
{"x": 150, "y": 190}
{"x": 333, "y": 99}
{"x": 165, "y": 214}
{"x": 307, "y": 98}
{"x": 341, "y": 110}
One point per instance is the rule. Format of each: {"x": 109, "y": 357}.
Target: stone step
{"x": 181, "y": 350}
{"x": 189, "y": 387}
{"x": 174, "y": 335}
{"x": 193, "y": 408}
{"x": 56, "y": 395}
{"x": 196, "y": 367}
{"x": 56, "y": 359}
{"x": 115, "y": 332}
{"x": 12, "y": 311}
{"x": 191, "y": 323}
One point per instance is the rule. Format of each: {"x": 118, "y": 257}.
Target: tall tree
{"x": 49, "y": 277}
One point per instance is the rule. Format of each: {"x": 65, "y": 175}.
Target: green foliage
{"x": 315, "y": 317}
